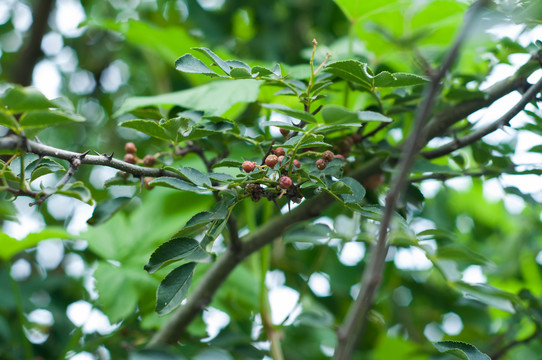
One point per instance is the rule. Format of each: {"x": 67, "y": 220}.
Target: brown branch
{"x": 22, "y": 74}
{"x": 499, "y": 353}
{"x": 438, "y": 125}
{"x": 483, "y": 131}
{"x": 350, "y": 331}
{"x": 13, "y": 142}
{"x": 205, "y": 289}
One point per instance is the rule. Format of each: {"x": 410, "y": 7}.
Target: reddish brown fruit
{"x": 149, "y": 160}
{"x": 356, "y": 137}
{"x": 321, "y": 164}
{"x": 248, "y": 166}
{"x": 285, "y": 182}
{"x": 284, "y": 132}
{"x": 297, "y": 164}
{"x": 146, "y": 182}
{"x": 271, "y": 160}
{"x": 339, "y": 156}
{"x": 130, "y": 148}
{"x": 373, "y": 181}
{"x": 280, "y": 151}
{"x": 130, "y": 158}
{"x": 281, "y": 158}
{"x": 328, "y": 155}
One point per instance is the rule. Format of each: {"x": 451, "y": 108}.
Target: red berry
{"x": 149, "y": 160}
{"x": 321, "y": 164}
{"x": 280, "y": 151}
{"x": 285, "y": 182}
{"x": 284, "y": 132}
{"x": 248, "y": 166}
{"x": 130, "y": 158}
{"x": 297, "y": 164}
{"x": 130, "y": 148}
{"x": 281, "y": 158}
{"x": 328, "y": 155}
{"x": 271, "y": 161}
{"x": 339, "y": 156}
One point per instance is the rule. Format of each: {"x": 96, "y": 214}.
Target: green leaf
{"x": 312, "y": 233}
{"x": 387, "y": 79}
{"x": 282, "y": 125}
{"x": 199, "y": 221}
{"x": 228, "y": 163}
{"x": 338, "y": 114}
{"x": 11, "y": 246}
{"x": 175, "y": 183}
{"x": 195, "y": 176}
{"x": 174, "y": 127}
{"x": 45, "y": 118}
{"x": 120, "y": 288}
{"x": 9, "y": 121}
{"x": 167, "y": 42}
{"x": 19, "y": 99}
{"x": 211, "y": 55}
{"x": 461, "y": 350}
{"x": 238, "y": 64}
{"x": 148, "y": 127}
{"x": 174, "y": 288}
{"x": 354, "y": 71}
{"x": 340, "y": 188}
{"x": 176, "y": 249}
{"x": 261, "y": 71}
{"x": 488, "y": 295}
{"x": 298, "y": 114}
{"x": 459, "y": 252}
{"x": 77, "y": 190}
{"x": 105, "y": 209}
{"x": 214, "y": 98}
{"x": 240, "y": 73}
{"x": 358, "y": 192}
{"x": 189, "y": 64}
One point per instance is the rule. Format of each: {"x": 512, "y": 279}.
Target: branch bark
{"x": 205, "y": 289}
{"x": 483, "y": 131}
{"x": 22, "y": 74}
{"x": 350, "y": 331}
{"x": 12, "y": 142}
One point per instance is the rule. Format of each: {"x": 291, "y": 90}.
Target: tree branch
{"x": 22, "y": 74}
{"x": 12, "y": 142}
{"x": 205, "y": 289}
{"x": 349, "y": 332}
{"x": 483, "y": 131}
{"x": 438, "y": 125}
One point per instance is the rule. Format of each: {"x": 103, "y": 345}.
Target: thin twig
{"x": 483, "y": 131}
{"x": 204, "y": 291}
{"x": 499, "y": 353}
{"x": 374, "y": 131}
{"x": 349, "y": 332}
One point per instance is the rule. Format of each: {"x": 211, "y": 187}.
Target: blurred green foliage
{"x": 119, "y": 68}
